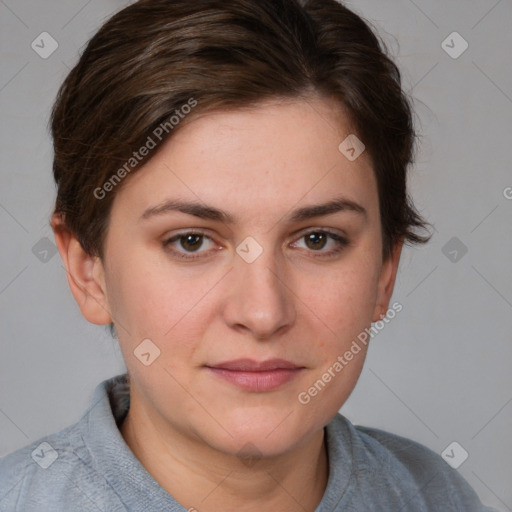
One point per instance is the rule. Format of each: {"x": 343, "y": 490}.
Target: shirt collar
{"x": 138, "y": 490}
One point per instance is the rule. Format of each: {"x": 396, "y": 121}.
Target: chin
{"x": 265, "y": 437}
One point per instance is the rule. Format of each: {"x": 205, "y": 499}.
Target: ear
{"x": 85, "y": 274}
{"x": 387, "y": 281}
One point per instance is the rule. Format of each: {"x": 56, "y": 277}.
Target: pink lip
{"x": 256, "y": 376}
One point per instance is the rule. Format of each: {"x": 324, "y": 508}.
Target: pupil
{"x": 189, "y": 242}
{"x": 317, "y": 240}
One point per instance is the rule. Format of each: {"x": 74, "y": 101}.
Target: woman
{"x": 232, "y": 201}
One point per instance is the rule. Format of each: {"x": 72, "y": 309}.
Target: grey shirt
{"x": 89, "y": 467}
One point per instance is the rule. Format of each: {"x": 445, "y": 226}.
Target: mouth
{"x": 256, "y": 376}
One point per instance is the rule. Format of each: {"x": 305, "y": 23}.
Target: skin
{"x": 186, "y": 425}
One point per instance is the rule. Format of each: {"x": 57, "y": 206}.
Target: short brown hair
{"x": 154, "y": 56}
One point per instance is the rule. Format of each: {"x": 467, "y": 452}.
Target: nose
{"x": 261, "y": 300}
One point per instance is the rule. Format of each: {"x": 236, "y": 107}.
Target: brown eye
{"x": 325, "y": 243}
{"x": 191, "y": 242}
{"x": 189, "y": 245}
{"x": 316, "y": 240}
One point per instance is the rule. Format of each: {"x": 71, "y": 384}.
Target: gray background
{"x": 439, "y": 372}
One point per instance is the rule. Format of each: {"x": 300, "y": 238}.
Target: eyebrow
{"x": 336, "y": 205}
{"x": 207, "y": 212}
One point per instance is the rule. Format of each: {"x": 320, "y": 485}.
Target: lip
{"x": 256, "y": 376}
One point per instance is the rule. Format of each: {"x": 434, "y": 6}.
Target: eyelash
{"x": 341, "y": 242}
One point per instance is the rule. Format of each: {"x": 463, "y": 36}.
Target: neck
{"x": 204, "y": 479}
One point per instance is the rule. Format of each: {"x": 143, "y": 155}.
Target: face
{"x": 248, "y": 250}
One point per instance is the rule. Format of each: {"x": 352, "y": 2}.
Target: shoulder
{"x": 413, "y": 456}
{"x": 49, "y": 471}
{"x": 413, "y": 475}
{"x": 60, "y": 472}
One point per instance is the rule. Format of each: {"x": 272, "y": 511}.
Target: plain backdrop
{"x": 439, "y": 372}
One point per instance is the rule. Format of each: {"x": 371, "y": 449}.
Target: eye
{"x": 318, "y": 240}
{"x": 187, "y": 243}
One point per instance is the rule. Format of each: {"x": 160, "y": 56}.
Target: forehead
{"x": 269, "y": 157}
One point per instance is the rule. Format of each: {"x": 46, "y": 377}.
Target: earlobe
{"x": 85, "y": 274}
{"x": 387, "y": 282}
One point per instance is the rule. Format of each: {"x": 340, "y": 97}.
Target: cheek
{"x": 345, "y": 305}
{"x": 342, "y": 299}
{"x": 167, "y": 304}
